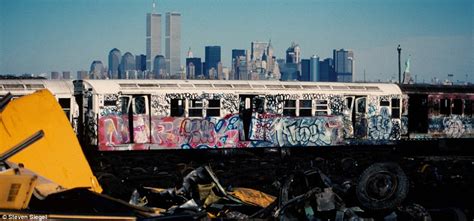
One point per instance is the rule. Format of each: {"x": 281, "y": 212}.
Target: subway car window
{"x": 305, "y": 108}
{"x": 289, "y": 108}
{"x": 457, "y": 106}
{"x": 140, "y": 105}
{"x": 195, "y": 108}
{"x": 384, "y": 103}
{"x": 109, "y": 103}
{"x": 214, "y": 108}
{"x": 434, "y": 105}
{"x": 65, "y": 104}
{"x": 445, "y": 106}
{"x": 395, "y": 108}
{"x": 177, "y": 107}
{"x": 468, "y": 107}
{"x": 361, "y": 105}
{"x": 124, "y": 103}
{"x": 321, "y": 108}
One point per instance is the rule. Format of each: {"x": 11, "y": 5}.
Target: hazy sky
{"x": 39, "y": 36}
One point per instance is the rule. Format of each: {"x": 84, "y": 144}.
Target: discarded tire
{"x": 382, "y": 186}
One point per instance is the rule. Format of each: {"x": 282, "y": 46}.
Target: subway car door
{"x": 245, "y": 111}
{"x": 349, "y": 113}
{"x": 418, "y": 113}
{"x": 141, "y": 119}
{"x": 359, "y": 117}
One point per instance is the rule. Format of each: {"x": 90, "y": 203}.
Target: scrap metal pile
{"x": 304, "y": 195}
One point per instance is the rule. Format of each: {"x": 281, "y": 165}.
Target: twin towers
{"x": 154, "y": 51}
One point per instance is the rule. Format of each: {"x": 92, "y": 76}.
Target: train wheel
{"x": 382, "y": 186}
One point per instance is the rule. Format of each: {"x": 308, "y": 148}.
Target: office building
{"x": 140, "y": 62}
{"x": 305, "y": 70}
{"x": 289, "y": 72}
{"x": 236, "y": 53}
{"x": 159, "y": 65}
{"x": 127, "y": 64}
{"x": 258, "y": 49}
{"x": 219, "y": 71}
{"x": 326, "y": 70}
{"x": 314, "y": 75}
{"x": 213, "y": 57}
{"x": 190, "y": 71}
{"x": 114, "y": 63}
{"x": 344, "y": 65}
{"x": 153, "y": 38}
{"x": 96, "y": 70}
{"x": 293, "y": 54}
{"x": 173, "y": 42}
{"x": 196, "y": 65}
{"x": 242, "y": 69}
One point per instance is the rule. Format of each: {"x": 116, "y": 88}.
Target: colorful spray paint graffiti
{"x": 453, "y": 126}
{"x": 113, "y": 131}
{"x": 320, "y": 131}
{"x": 141, "y": 128}
{"x": 196, "y": 133}
{"x": 380, "y": 124}
{"x": 263, "y": 127}
{"x": 297, "y": 131}
{"x": 270, "y": 129}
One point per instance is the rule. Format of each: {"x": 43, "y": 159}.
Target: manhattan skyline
{"x": 51, "y": 35}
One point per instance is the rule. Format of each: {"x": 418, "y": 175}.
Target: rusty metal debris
{"x": 304, "y": 195}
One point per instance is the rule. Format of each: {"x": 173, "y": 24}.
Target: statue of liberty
{"x": 407, "y": 65}
{"x": 406, "y": 74}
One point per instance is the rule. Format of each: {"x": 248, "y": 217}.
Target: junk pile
{"x": 304, "y": 195}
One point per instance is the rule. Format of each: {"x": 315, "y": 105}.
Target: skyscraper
{"x": 314, "y": 69}
{"x": 289, "y": 71}
{"x": 197, "y": 66}
{"x": 140, "y": 62}
{"x": 326, "y": 70}
{"x": 213, "y": 57}
{"x": 293, "y": 54}
{"x": 153, "y": 37}
{"x": 258, "y": 49}
{"x": 219, "y": 71}
{"x": 236, "y": 53}
{"x": 190, "y": 71}
{"x": 173, "y": 42}
{"x": 159, "y": 65}
{"x": 114, "y": 63}
{"x": 127, "y": 65}
{"x": 305, "y": 70}
{"x": 96, "y": 70}
{"x": 344, "y": 65}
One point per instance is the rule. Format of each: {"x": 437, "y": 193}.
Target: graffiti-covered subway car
{"x": 63, "y": 90}
{"x": 187, "y": 114}
{"x": 440, "y": 112}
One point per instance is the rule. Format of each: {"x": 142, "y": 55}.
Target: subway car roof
{"x": 145, "y": 86}
{"x": 28, "y": 86}
{"x": 429, "y": 88}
